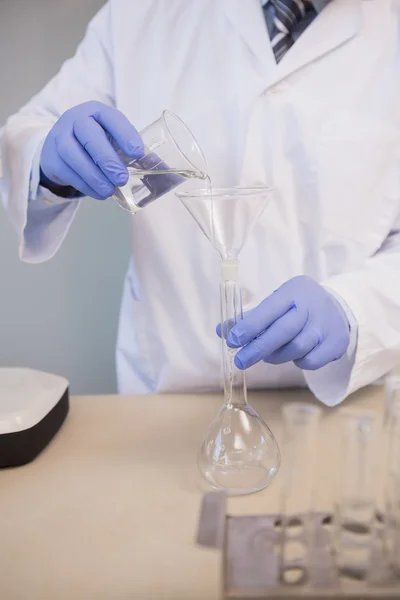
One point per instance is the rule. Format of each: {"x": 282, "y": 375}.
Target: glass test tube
{"x": 356, "y": 493}
{"x": 392, "y": 483}
{"x": 392, "y": 388}
{"x": 299, "y": 464}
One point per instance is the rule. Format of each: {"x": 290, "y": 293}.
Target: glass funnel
{"x": 171, "y": 157}
{"x": 239, "y": 454}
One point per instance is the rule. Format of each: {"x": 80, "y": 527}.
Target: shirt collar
{"x": 318, "y": 4}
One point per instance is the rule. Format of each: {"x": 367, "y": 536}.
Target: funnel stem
{"x": 231, "y": 313}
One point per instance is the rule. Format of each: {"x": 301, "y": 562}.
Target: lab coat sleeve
{"x": 371, "y": 298}
{"x": 40, "y": 218}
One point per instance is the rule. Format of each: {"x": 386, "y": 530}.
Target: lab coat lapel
{"x": 338, "y": 23}
{"x": 248, "y": 19}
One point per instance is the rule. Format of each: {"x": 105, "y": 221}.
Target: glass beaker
{"x": 239, "y": 454}
{"x": 171, "y": 157}
{"x": 355, "y": 506}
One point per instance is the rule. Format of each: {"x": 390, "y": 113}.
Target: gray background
{"x": 60, "y": 316}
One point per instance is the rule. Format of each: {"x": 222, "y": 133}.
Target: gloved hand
{"x": 300, "y": 322}
{"x": 78, "y": 153}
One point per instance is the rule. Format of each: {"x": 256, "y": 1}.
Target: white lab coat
{"x": 322, "y": 127}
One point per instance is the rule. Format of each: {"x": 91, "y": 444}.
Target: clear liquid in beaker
{"x": 146, "y": 185}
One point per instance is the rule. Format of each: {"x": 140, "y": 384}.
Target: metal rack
{"x": 250, "y": 561}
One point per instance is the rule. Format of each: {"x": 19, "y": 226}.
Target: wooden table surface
{"x": 109, "y": 510}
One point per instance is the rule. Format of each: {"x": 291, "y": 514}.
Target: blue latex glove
{"x": 300, "y": 322}
{"x": 77, "y": 152}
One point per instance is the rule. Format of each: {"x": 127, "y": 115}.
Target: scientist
{"x": 303, "y": 95}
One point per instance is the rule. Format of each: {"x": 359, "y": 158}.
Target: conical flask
{"x": 239, "y": 453}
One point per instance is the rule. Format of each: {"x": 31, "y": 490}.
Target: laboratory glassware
{"x": 171, "y": 157}
{"x": 392, "y": 390}
{"x": 355, "y": 505}
{"x": 299, "y": 470}
{"x": 392, "y": 475}
{"x": 239, "y": 453}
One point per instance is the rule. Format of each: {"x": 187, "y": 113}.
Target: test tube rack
{"x": 250, "y": 560}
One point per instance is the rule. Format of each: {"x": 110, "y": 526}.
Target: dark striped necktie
{"x": 288, "y": 13}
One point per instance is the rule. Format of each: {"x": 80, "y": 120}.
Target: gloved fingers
{"x": 281, "y": 332}
{"x": 94, "y": 140}
{"x": 297, "y": 348}
{"x": 72, "y": 153}
{"x": 63, "y": 174}
{"x": 227, "y": 327}
{"x": 121, "y": 129}
{"x": 262, "y": 317}
{"x": 322, "y": 355}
